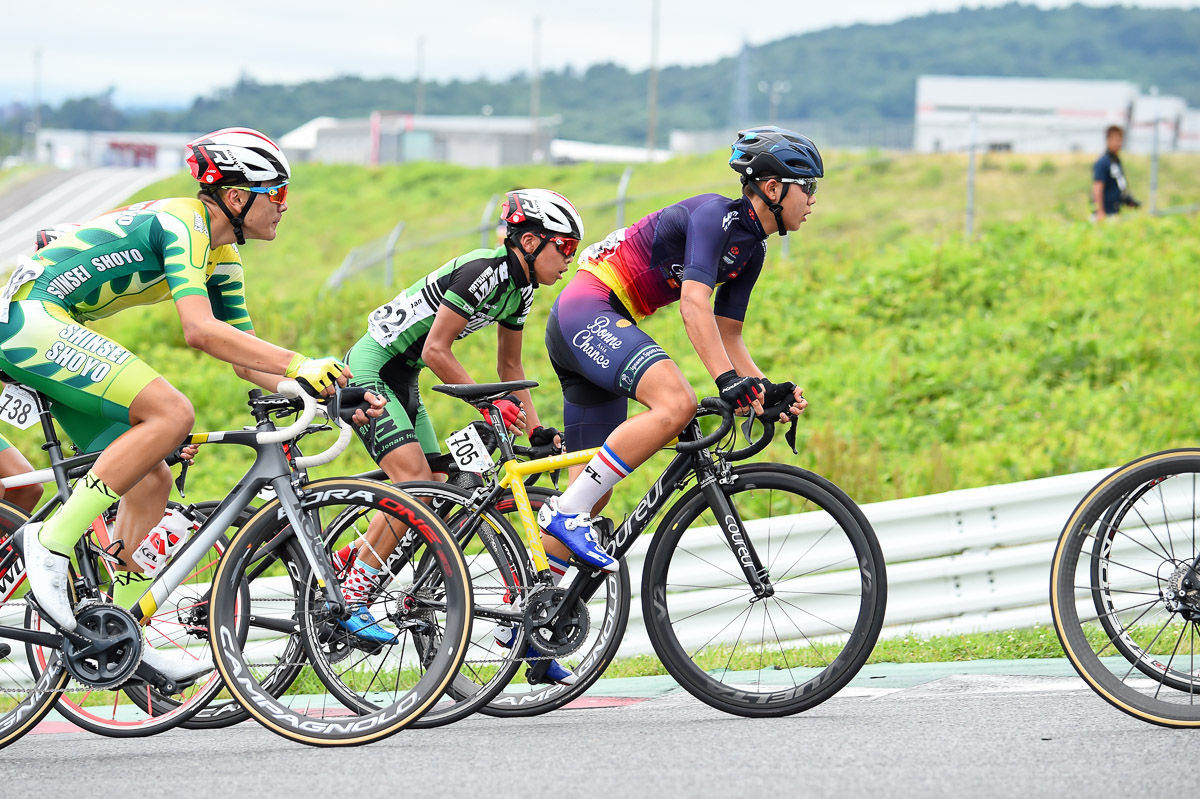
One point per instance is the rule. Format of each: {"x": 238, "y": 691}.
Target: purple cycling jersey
{"x": 709, "y": 238}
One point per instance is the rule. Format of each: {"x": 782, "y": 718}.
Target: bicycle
{"x": 1125, "y": 588}
{"x": 302, "y": 596}
{"x": 697, "y": 609}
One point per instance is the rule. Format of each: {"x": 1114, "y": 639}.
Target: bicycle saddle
{"x": 483, "y": 392}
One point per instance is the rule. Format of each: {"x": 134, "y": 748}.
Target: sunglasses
{"x": 276, "y": 194}
{"x": 565, "y": 246}
{"x": 806, "y": 185}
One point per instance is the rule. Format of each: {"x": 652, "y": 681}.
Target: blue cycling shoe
{"x": 557, "y": 672}
{"x": 362, "y": 624}
{"x": 575, "y": 530}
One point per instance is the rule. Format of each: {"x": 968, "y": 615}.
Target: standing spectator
{"x": 1110, "y": 190}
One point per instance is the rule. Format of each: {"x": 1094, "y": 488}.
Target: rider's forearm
{"x": 441, "y": 362}
{"x": 735, "y": 348}
{"x": 236, "y": 347}
{"x": 264, "y": 380}
{"x": 701, "y": 327}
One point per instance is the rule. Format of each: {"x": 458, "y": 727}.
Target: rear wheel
{"x": 26, "y": 695}
{"x": 1125, "y": 592}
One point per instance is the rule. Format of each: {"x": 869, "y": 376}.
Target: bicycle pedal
{"x": 5, "y": 650}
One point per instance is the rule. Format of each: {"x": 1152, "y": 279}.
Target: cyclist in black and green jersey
{"x": 418, "y": 328}
{"x": 104, "y": 396}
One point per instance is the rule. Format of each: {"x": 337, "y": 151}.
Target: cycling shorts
{"x": 404, "y": 419}
{"x": 600, "y": 356}
{"x": 90, "y": 379}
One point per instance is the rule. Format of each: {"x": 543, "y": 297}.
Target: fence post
{"x": 489, "y": 211}
{"x": 622, "y": 188}
{"x": 389, "y": 251}
{"x": 971, "y": 173}
{"x": 1154, "y": 157}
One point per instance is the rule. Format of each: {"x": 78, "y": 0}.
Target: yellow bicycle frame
{"x": 512, "y": 478}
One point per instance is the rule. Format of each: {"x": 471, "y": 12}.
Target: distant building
{"x": 382, "y": 138}
{"x": 84, "y": 149}
{"x": 1019, "y": 114}
{"x": 1189, "y": 132}
{"x": 1169, "y": 113}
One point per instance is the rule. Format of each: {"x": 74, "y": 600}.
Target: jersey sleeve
{"x": 183, "y": 243}
{"x": 705, "y": 241}
{"x": 733, "y": 298}
{"x": 516, "y": 319}
{"x": 1100, "y": 168}
{"x": 227, "y": 288}
{"x": 470, "y": 284}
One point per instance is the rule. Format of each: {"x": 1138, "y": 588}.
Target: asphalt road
{"x": 54, "y": 196}
{"x": 894, "y": 732}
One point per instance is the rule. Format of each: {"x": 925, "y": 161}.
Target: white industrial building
{"x": 84, "y": 149}
{"x": 1168, "y": 112}
{"x": 1019, "y": 114}
{"x": 487, "y": 141}
{"x": 1189, "y": 132}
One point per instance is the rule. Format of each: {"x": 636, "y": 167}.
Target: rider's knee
{"x": 681, "y": 408}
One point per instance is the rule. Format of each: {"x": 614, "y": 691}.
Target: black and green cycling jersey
{"x": 483, "y": 286}
{"x": 478, "y": 286}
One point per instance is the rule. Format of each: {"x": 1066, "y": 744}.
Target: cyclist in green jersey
{"x": 104, "y": 396}
{"x": 417, "y": 329}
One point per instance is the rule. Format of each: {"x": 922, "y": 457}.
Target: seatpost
{"x": 496, "y": 420}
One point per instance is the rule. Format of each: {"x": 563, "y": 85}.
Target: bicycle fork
{"x": 738, "y": 539}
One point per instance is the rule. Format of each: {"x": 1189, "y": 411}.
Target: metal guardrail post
{"x": 1154, "y": 157}
{"x": 489, "y": 212}
{"x": 622, "y": 190}
{"x": 389, "y": 250}
{"x": 335, "y": 280}
{"x": 971, "y": 174}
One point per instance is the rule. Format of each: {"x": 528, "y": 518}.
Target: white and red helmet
{"x": 236, "y": 156}
{"x": 541, "y": 211}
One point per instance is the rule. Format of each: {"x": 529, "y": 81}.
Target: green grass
{"x": 1046, "y": 346}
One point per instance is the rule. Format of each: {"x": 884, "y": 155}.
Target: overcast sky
{"x": 166, "y": 52}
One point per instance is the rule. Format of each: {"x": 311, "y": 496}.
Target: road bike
{"x": 1125, "y": 588}
{"x": 270, "y": 608}
{"x": 763, "y": 592}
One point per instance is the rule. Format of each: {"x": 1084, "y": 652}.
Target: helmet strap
{"x": 529, "y": 257}
{"x": 775, "y": 208}
{"x": 236, "y": 221}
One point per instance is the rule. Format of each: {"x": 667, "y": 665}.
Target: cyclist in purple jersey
{"x": 686, "y": 253}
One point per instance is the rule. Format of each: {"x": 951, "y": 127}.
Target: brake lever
{"x": 184, "y": 465}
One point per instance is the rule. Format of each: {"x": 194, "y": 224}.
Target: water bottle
{"x": 167, "y": 538}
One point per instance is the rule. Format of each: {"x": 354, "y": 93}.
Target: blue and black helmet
{"x": 771, "y": 152}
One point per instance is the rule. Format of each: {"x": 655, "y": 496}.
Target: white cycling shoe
{"x": 178, "y": 665}
{"x": 48, "y": 574}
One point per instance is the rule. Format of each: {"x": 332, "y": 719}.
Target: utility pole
{"x": 652, "y": 100}
{"x": 419, "y": 107}
{"x": 35, "y": 123}
{"x": 535, "y": 91}
{"x": 775, "y": 92}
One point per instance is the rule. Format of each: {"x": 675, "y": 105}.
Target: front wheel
{"x": 350, "y": 691}
{"x": 801, "y": 642}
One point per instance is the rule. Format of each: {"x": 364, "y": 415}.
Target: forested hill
{"x": 857, "y": 72}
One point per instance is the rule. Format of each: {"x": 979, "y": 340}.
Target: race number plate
{"x": 468, "y": 451}
{"x": 18, "y": 408}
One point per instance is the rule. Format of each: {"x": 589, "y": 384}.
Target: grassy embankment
{"x": 1046, "y": 346}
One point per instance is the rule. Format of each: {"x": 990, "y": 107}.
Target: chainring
{"x": 114, "y": 650}
{"x": 571, "y": 631}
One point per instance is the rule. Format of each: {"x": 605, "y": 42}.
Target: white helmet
{"x": 541, "y": 210}
{"x": 233, "y": 156}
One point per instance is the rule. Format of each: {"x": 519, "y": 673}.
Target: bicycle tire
{"x": 827, "y": 570}
{"x": 1125, "y": 548}
{"x": 27, "y": 697}
{"x": 609, "y": 611}
{"x": 135, "y": 709}
{"x": 319, "y": 719}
